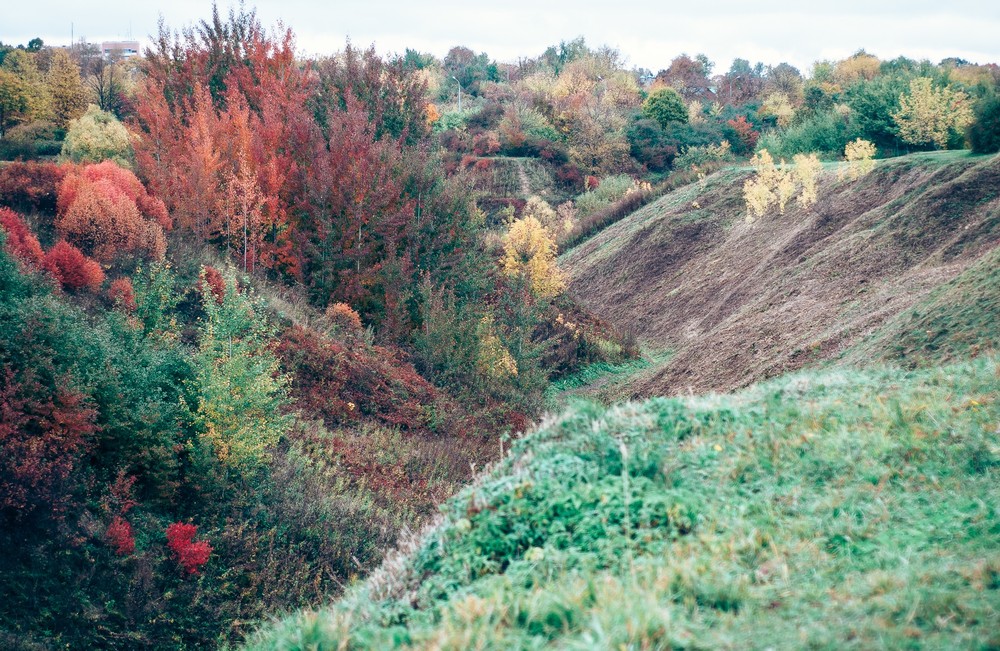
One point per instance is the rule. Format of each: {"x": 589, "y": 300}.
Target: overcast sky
{"x": 648, "y": 33}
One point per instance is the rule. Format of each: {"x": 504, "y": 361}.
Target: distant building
{"x": 127, "y": 49}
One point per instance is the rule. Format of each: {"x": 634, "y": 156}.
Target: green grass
{"x": 828, "y": 510}
{"x": 558, "y": 391}
{"x": 957, "y": 319}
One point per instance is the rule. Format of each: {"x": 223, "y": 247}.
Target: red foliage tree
{"x": 216, "y": 283}
{"x": 21, "y": 242}
{"x": 226, "y": 124}
{"x": 31, "y": 187}
{"x": 122, "y": 294}
{"x": 190, "y": 554}
{"x": 746, "y": 136}
{"x": 72, "y": 269}
{"x": 120, "y": 537}
{"x": 44, "y": 433}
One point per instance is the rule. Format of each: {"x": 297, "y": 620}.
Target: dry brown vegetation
{"x": 737, "y": 303}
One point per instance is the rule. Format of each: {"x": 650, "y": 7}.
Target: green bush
{"x": 826, "y": 134}
{"x": 32, "y": 140}
{"x": 98, "y": 136}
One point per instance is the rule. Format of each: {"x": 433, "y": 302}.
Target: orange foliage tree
{"x": 99, "y": 211}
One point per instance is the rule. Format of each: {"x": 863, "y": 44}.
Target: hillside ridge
{"x": 738, "y": 302}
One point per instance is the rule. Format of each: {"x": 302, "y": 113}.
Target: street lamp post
{"x": 459, "y": 92}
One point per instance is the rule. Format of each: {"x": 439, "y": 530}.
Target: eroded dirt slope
{"x": 739, "y": 302}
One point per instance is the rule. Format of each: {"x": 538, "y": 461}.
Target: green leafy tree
{"x": 97, "y": 136}
{"x": 929, "y": 116}
{"x": 241, "y": 393}
{"x": 665, "y": 105}
{"x": 984, "y": 133}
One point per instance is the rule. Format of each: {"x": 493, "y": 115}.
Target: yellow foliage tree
{"x": 66, "y": 90}
{"x": 530, "y": 253}
{"x": 778, "y": 106}
{"x": 806, "y": 171}
{"x": 775, "y": 184}
{"x": 859, "y": 155}
{"x": 493, "y": 360}
{"x": 929, "y": 115}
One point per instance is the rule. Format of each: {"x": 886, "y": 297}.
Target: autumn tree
{"x": 860, "y": 155}
{"x": 13, "y": 102}
{"x": 66, "y": 90}
{"x": 23, "y": 65}
{"x": 530, "y": 255}
{"x": 930, "y": 116}
{"x": 688, "y": 76}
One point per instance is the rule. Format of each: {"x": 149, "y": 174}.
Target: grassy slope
{"x": 739, "y": 303}
{"x": 836, "y": 509}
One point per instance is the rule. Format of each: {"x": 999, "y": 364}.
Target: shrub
{"x": 530, "y": 254}
{"x": 44, "y": 432}
{"x": 98, "y": 212}
{"x": 120, "y": 293}
{"x": 745, "y": 136}
{"x": 31, "y": 140}
{"x": 72, "y": 269}
{"x": 343, "y": 317}
{"x": 21, "y": 242}
{"x": 190, "y": 554}
{"x": 119, "y": 536}
{"x": 706, "y": 155}
{"x": 97, "y": 136}
{"x": 212, "y": 277}
{"x": 31, "y": 187}
{"x": 859, "y": 155}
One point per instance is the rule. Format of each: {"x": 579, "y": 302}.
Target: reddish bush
{"x": 105, "y": 210}
{"x": 569, "y": 176}
{"x": 591, "y": 183}
{"x": 336, "y": 384}
{"x": 102, "y": 218}
{"x": 72, "y": 269}
{"x": 31, "y": 187}
{"x": 122, "y": 294}
{"x": 21, "y": 242}
{"x": 43, "y": 434}
{"x": 344, "y": 317}
{"x": 190, "y": 554}
{"x": 216, "y": 283}
{"x": 120, "y": 537}
{"x": 486, "y": 143}
{"x": 746, "y": 136}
